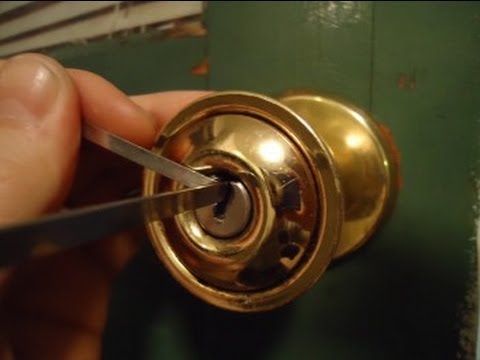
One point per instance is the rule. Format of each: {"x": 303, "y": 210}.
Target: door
{"x": 411, "y": 292}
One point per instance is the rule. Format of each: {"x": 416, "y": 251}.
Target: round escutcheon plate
{"x": 312, "y": 178}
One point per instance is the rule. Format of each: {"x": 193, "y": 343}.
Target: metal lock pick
{"x": 75, "y": 227}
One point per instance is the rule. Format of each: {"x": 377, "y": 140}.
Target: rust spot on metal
{"x": 202, "y": 68}
{"x": 406, "y": 81}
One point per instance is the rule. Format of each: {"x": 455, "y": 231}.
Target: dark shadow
{"x": 145, "y": 293}
{"x": 398, "y": 298}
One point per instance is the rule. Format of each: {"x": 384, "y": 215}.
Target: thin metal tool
{"x": 75, "y": 227}
{"x": 146, "y": 158}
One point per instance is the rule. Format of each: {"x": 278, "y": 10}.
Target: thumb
{"x": 39, "y": 136}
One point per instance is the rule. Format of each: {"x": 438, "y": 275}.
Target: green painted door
{"x": 409, "y": 294}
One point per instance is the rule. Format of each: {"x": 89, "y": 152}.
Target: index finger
{"x": 165, "y": 105}
{"x": 138, "y": 118}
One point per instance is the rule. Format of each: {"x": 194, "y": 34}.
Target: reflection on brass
{"x": 316, "y": 178}
{"x": 363, "y": 159}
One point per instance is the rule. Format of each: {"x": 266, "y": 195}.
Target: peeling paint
{"x": 202, "y": 68}
{"x": 334, "y": 14}
{"x": 476, "y": 316}
{"x": 186, "y": 29}
{"x": 406, "y": 81}
{"x": 468, "y": 313}
{"x": 468, "y": 322}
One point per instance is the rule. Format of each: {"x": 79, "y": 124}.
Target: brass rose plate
{"x": 311, "y": 178}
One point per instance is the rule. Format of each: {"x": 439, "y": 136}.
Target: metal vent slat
{"x": 6, "y": 6}
{"x": 50, "y": 15}
{"x": 74, "y": 24}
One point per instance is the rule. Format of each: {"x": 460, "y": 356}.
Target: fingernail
{"x": 28, "y": 90}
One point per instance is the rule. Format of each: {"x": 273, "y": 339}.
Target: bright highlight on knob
{"x": 271, "y": 151}
{"x": 354, "y": 141}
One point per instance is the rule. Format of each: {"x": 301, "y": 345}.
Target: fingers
{"x": 165, "y": 105}
{"x": 139, "y": 121}
{"x": 107, "y": 107}
{"x": 39, "y": 132}
{"x": 40, "y": 115}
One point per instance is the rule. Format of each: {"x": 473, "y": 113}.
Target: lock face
{"x": 284, "y": 218}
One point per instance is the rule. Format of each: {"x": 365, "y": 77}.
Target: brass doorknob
{"x": 312, "y": 178}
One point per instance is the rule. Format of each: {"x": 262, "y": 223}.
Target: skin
{"x": 55, "y": 307}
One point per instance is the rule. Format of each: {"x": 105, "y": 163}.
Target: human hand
{"x": 56, "y": 307}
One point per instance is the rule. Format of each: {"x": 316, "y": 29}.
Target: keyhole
{"x": 220, "y": 208}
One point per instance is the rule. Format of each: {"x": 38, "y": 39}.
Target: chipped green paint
{"x": 416, "y": 66}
